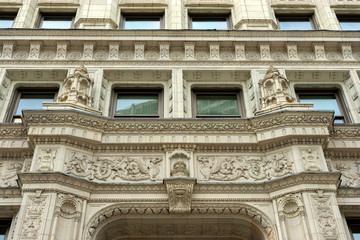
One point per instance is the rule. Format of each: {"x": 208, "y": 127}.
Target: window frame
{"x": 227, "y": 16}
{"x": 137, "y": 91}
{"x": 350, "y": 221}
{"x": 57, "y": 15}
{"x": 4, "y": 222}
{"x": 237, "y": 92}
{"x": 339, "y": 99}
{"x": 17, "y": 96}
{"x": 295, "y": 16}
{"x": 125, "y": 15}
{"x": 348, "y": 16}
{"x": 9, "y": 15}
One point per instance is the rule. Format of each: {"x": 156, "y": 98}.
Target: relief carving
{"x": 8, "y": 174}
{"x": 350, "y": 173}
{"x": 34, "y": 218}
{"x": 46, "y": 160}
{"x": 233, "y": 168}
{"x": 325, "y": 217}
{"x": 179, "y": 161}
{"x": 179, "y": 193}
{"x": 311, "y": 160}
{"x": 130, "y": 168}
{"x": 68, "y": 206}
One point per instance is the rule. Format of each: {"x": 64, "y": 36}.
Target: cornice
{"x": 348, "y": 192}
{"x": 12, "y": 131}
{"x": 313, "y": 178}
{"x": 349, "y": 131}
{"x": 183, "y": 33}
{"x": 72, "y": 118}
{"x": 10, "y": 192}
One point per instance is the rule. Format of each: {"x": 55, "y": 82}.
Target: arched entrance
{"x": 188, "y": 227}
{"x": 236, "y": 221}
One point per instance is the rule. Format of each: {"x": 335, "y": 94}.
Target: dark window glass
{"x": 295, "y": 23}
{"x": 217, "y": 104}
{"x": 4, "y": 228}
{"x": 137, "y": 105}
{"x": 218, "y": 23}
{"x": 146, "y": 22}
{"x": 354, "y": 227}
{"x": 349, "y": 23}
{"x": 324, "y": 102}
{"x": 57, "y": 22}
{"x": 31, "y": 101}
{"x": 6, "y": 21}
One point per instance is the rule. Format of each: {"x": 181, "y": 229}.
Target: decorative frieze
{"x": 110, "y": 169}
{"x": 241, "y": 168}
{"x": 9, "y": 171}
{"x": 34, "y": 218}
{"x": 350, "y": 172}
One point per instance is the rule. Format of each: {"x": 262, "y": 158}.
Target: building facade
{"x": 179, "y": 119}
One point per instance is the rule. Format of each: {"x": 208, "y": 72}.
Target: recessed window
{"x": 216, "y": 104}
{"x": 31, "y": 99}
{"x": 354, "y": 227}
{"x": 296, "y": 23}
{"x": 138, "y": 104}
{"x": 6, "y": 21}
{"x": 142, "y": 22}
{"x": 218, "y": 22}
{"x": 56, "y": 22}
{"x": 349, "y": 22}
{"x": 325, "y": 100}
{"x": 4, "y": 228}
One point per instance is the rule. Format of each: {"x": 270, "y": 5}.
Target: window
{"x": 354, "y": 227}
{"x": 349, "y": 22}
{"x": 30, "y": 99}
{"x": 146, "y": 103}
{"x": 216, "y": 104}
{"x": 142, "y": 21}
{"x": 4, "y": 228}
{"x": 296, "y": 22}
{"x": 7, "y": 20}
{"x": 218, "y": 22}
{"x": 325, "y": 100}
{"x": 56, "y": 21}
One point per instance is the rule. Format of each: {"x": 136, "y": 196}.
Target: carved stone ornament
{"x": 34, "y": 219}
{"x": 350, "y": 173}
{"x": 275, "y": 92}
{"x": 275, "y": 89}
{"x": 311, "y": 160}
{"x": 179, "y": 160}
{"x": 68, "y": 206}
{"x": 46, "y": 160}
{"x": 129, "y": 168}
{"x": 8, "y": 173}
{"x": 76, "y": 93}
{"x": 291, "y": 205}
{"x": 234, "y": 168}
{"x": 179, "y": 192}
{"x": 325, "y": 217}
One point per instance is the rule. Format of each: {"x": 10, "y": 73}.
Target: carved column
{"x": 88, "y": 50}
{"x": 214, "y": 48}
{"x": 240, "y": 51}
{"x": 189, "y": 50}
{"x": 114, "y": 50}
{"x": 292, "y": 51}
{"x": 139, "y": 50}
{"x": 8, "y": 49}
{"x": 346, "y": 51}
{"x": 164, "y": 50}
{"x": 61, "y": 49}
{"x": 35, "y": 48}
{"x": 319, "y": 50}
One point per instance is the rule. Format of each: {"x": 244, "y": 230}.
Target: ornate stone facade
{"x": 281, "y": 168}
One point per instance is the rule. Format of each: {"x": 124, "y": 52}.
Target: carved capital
{"x": 179, "y": 192}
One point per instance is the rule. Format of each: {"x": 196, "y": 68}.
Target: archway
{"x": 235, "y": 221}
{"x": 186, "y": 227}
